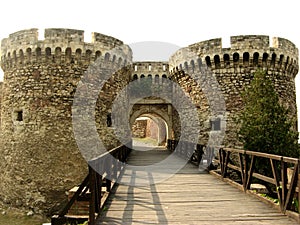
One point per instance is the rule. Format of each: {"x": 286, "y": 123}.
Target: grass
{"x": 146, "y": 140}
{"x": 12, "y": 217}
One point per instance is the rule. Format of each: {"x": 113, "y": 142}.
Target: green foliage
{"x": 85, "y": 223}
{"x": 295, "y": 204}
{"x": 274, "y": 200}
{"x": 264, "y": 122}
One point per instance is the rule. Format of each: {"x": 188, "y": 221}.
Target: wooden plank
{"x": 188, "y": 197}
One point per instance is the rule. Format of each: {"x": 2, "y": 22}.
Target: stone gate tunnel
{"x": 193, "y": 98}
{"x": 152, "y": 77}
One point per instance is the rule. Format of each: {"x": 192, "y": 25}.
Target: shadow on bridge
{"x": 136, "y": 197}
{"x": 189, "y": 196}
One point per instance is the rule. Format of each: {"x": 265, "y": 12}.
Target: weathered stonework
{"x": 139, "y": 128}
{"x": 40, "y": 158}
{"x": 233, "y": 69}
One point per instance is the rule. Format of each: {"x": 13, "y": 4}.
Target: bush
{"x": 264, "y": 122}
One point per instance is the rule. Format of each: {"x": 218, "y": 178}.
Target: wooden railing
{"x": 91, "y": 189}
{"x": 243, "y": 162}
{"x": 187, "y": 150}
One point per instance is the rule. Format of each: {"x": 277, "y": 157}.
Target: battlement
{"x": 60, "y": 46}
{"x": 209, "y": 45}
{"x": 150, "y": 69}
{"x": 245, "y": 51}
{"x": 106, "y": 40}
{"x": 250, "y": 42}
{"x": 63, "y": 35}
{"x": 242, "y": 42}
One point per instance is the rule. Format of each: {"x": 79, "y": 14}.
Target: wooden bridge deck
{"x": 188, "y": 197}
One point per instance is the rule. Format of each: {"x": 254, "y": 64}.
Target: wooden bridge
{"x": 192, "y": 195}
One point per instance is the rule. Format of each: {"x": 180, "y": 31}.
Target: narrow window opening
{"x": 106, "y": 56}
{"x": 207, "y": 60}
{"x": 19, "y": 115}
{"x": 236, "y": 57}
{"x": 265, "y": 57}
{"x": 186, "y": 66}
{"x": 108, "y": 120}
{"x": 281, "y": 59}
{"x": 156, "y": 78}
{"x": 97, "y": 54}
{"x": 120, "y": 61}
{"x": 164, "y": 78}
{"x": 78, "y": 53}
{"x": 246, "y": 57}
{"x": 273, "y": 59}
{"x": 217, "y": 61}
{"x": 88, "y": 54}
{"x": 114, "y": 58}
{"x": 28, "y": 53}
{"x": 255, "y": 58}
{"x": 215, "y": 124}
{"x": 193, "y": 65}
{"x": 226, "y": 59}
{"x": 48, "y": 52}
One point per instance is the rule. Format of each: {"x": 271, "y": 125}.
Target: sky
{"x": 178, "y": 22}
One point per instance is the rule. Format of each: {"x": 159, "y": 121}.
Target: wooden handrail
{"x": 286, "y": 190}
{"x": 190, "y": 151}
{"x": 101, "y": 171}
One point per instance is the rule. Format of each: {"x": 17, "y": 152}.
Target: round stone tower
{"x": 40, "y": 159}
{"x": 232, "y": 70}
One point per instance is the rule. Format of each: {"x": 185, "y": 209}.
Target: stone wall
{"x": 152, "y": 130}
{"x": 139, "y": 128}
{"x": 230, "y": 70}
{"x": 40, "y": 159}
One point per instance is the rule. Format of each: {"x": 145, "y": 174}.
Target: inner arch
{"x": 150, "y": 129}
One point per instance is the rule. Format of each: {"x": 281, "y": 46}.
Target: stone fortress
{"x": 40, "y": 159}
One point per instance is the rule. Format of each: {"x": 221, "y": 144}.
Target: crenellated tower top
{"x": 245, "y": 51}
{"x": 61, "y": 46}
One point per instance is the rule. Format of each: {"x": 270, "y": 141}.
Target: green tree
{"x": 264, "y": 122}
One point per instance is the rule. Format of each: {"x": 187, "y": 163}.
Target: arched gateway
{"x": 40, "y": 156}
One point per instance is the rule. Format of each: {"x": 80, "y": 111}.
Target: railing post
{"x": 199, "y": 153}
{"x": 109, "y": 173}
{"x": 114, "y": 168}
{"x": 221, "y": 159}
{"x": 284, "y": 182}
{"x": 245, "y": 171}
{"x": 251, "y": 170}
{"x": 99, "y": 191}
{"x": 92, "y": 209}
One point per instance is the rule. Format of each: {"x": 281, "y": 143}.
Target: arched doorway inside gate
{"x": 150, "y": 130}
{"x": 152, "y": 122}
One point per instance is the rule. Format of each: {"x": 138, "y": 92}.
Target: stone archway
{"x": 151, "y": 126}
{"x": 159, "y": 113}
